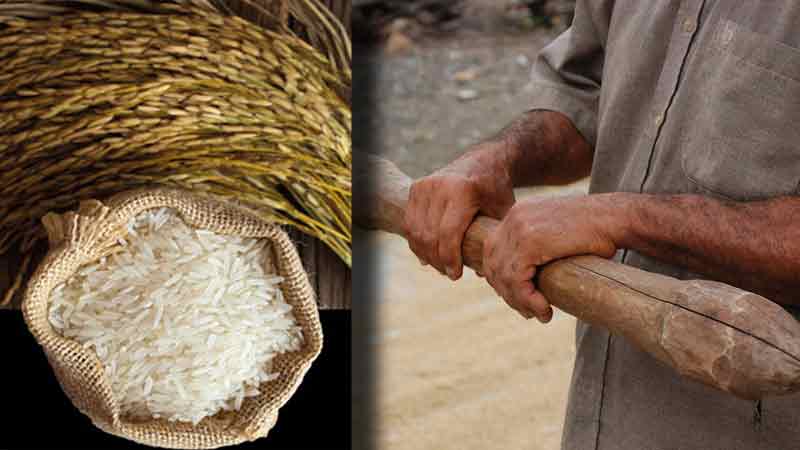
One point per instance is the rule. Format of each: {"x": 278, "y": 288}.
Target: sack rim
{"x": 98, "y": 222}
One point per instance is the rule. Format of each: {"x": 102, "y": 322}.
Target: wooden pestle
{"x": 714, "y": 333}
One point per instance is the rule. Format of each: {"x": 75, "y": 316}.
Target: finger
{"x": 432, "y": 234}
{"x": 487, "y": 268}
{"x": 413, "y": 221}
{"x": 494, "y": 276}
{"x": 512, "y": 299}
{"x": 506, "y": 273}
{"x": 493, "y": 270}
{"x": 500, "y": 290}
{"x": 494, "y": 263}
{"x": 528, "y": 298}
{"x": 488, "y": 250}
{"x": 507, "y": 294}
{"x": 455, "y": 221}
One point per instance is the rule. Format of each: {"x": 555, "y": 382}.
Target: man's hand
{"x": 535, "y": 232}
{"x": 442, "y": 206}
{"x": 541, "y": 147}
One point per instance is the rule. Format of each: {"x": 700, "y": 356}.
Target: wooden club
{"x": 714, "y": 333}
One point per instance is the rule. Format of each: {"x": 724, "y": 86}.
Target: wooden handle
{"x": 717, "y": 334}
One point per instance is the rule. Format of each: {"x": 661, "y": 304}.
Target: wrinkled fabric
{"x": 676, "y": 97}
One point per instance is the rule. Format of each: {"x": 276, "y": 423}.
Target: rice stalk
{"x": 98, "y": 97}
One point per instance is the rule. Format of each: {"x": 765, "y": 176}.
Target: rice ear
{"x": 93, "y": 126}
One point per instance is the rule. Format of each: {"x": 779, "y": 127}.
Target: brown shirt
{"x": 677, "y": 96}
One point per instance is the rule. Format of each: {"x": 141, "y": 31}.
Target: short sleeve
{"x": 568, "y": 72}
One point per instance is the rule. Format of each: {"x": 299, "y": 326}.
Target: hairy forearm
{"x": 752, "y": 245}
{"x": 538, "y": 148}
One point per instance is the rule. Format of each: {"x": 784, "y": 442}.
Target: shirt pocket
{"x": 743, "y": 142}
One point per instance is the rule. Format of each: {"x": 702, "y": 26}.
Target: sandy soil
{"x": 457, "y": 368}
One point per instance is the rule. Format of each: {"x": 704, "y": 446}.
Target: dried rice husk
{"x": 102, "y": 97}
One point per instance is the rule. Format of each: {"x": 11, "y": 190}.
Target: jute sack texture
{"x": 81, "y": 237}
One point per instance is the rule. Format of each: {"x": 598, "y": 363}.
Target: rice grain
{"x": 186, "y": 322}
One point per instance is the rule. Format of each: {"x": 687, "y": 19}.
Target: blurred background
{"x": 454, "y": 366}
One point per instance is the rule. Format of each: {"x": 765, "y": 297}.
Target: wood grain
{"x": 329, "y": 276}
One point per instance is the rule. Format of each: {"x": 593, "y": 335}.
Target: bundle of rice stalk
{"x": 173, "y": 320}
{"x": 219, "y": 97}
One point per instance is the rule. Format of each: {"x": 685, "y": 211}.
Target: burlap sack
{"x": 85, "y": 236}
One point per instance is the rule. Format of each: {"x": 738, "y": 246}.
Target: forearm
{"x": 538, "y": 148}
{"x": 547, "y": 150}
{"x": 752, "y": 245}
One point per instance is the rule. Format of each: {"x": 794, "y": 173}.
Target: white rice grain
{"x": 186, "y": 322}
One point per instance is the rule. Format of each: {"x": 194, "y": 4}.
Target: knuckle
{"x": 415, "y": 235}
{"x": 422, "y": 188}
{"x": 465, "y": 183}
{"x": 435, "y": 181}
{"x": 451, "y": 226}
{"x": 413, "y": 191}
{"x": 427, "y": 237}
{"x": 447, "y": 256}
{"x": 449, "y": 240}
{"x": 459, "y": 184}
{"x": 408, "y": 223}
{"x": 431, "y": 246}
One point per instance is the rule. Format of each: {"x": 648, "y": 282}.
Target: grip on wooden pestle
{"x": 720, "y": 335}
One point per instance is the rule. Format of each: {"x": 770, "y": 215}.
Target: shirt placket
{"x": 682, "y": 34}
{"x": 684, "y": 31}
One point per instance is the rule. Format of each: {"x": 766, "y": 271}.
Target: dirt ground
{"x": 457, "y": 368}
{"x": 449, "y": 90}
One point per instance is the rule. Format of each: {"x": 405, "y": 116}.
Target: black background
{"x": 36, "y": 414}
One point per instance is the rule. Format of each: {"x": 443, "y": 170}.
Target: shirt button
{"x": 658, "y": 119}
{"x": 688, "y": 25}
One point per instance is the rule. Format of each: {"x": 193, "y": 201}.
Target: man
{"x": 684, "y": 113}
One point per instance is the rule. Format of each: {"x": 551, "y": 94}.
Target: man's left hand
{"x": 535, "y": 232}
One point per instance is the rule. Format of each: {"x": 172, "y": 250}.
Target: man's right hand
{"x": 442, "y": 205}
